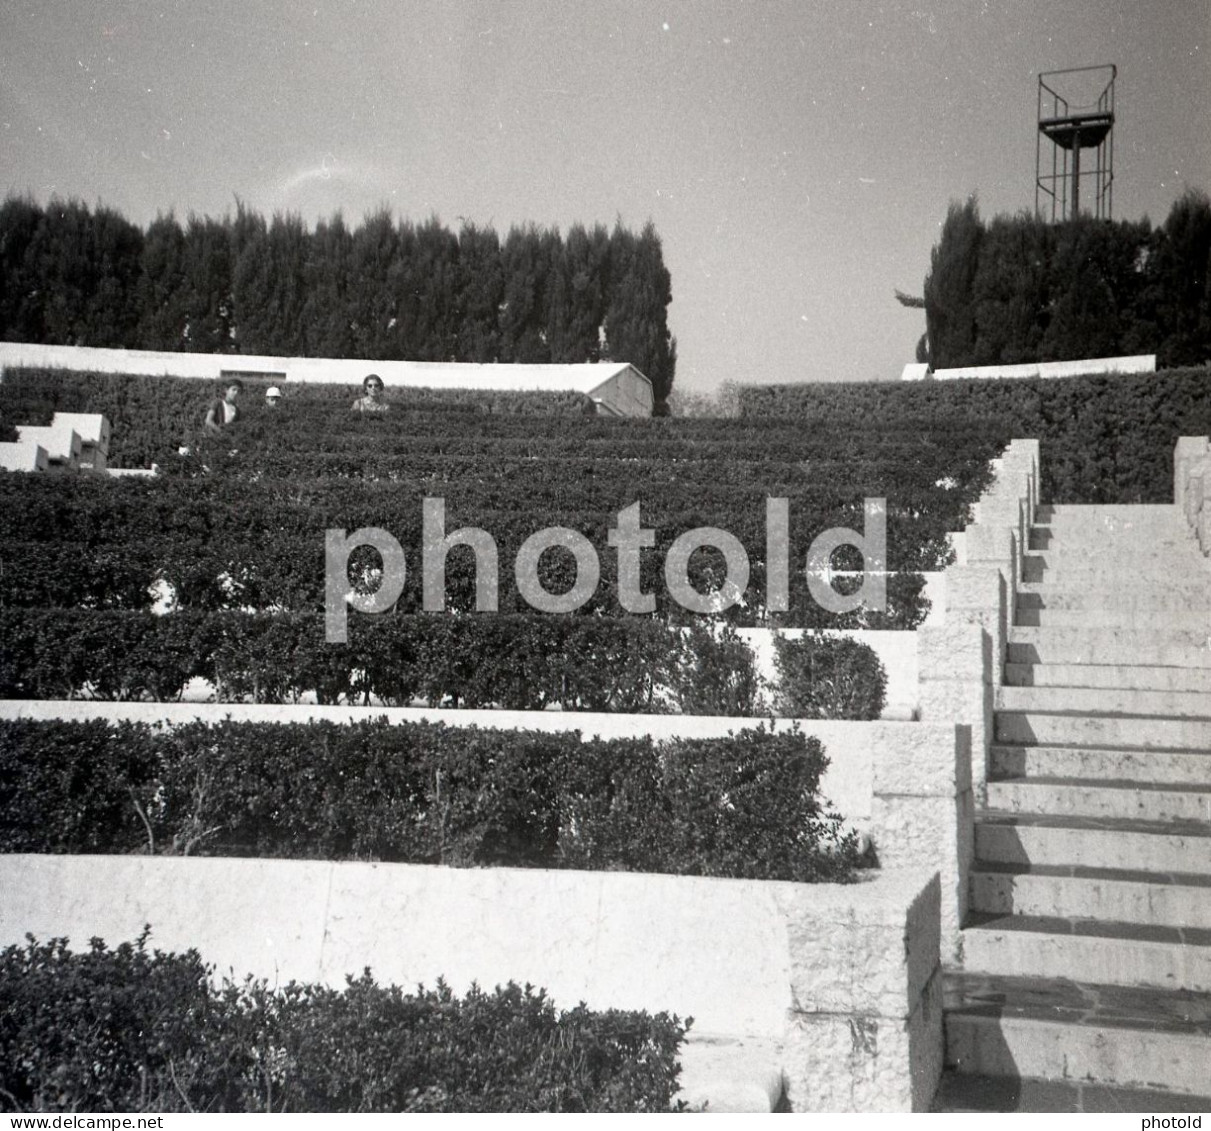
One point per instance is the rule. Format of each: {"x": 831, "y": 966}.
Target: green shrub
{"x": 132, "y": 1031}
{"x": 828, "y": 677}
{"x": 423, "y": 793}
{"x": 715, "y": 673}
{"x": 747, "y": 807}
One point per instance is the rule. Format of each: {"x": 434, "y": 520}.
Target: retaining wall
{"x": 839, "y": 983}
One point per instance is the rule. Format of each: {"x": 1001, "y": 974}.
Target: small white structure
{"x": 26, "y": 456}
{"x": 73, "y": 441}
{"x": 62, "y": 443}
{"x": 616, "y": 388}
{"x": 1140, "y": 363}
{"x": 94, "y": 431}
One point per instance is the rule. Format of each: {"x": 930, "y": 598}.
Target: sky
{"x": 797, "y": 157}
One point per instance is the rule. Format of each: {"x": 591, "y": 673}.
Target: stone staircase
{"x": 1085, "y": 980}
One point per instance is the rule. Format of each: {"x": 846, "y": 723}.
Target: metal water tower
{"x": 1076, "y": 113}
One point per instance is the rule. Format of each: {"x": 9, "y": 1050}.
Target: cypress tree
{"x": 480, "y": 293}
{"x": 372, "y": 305}
{"x": 636, "y": 320}
{"x": 208, "y": 300}
{"x": 949, "y": 309}
{"x": 326, "y": 323}
{"x": 20, "y": 284}
{"x": 162, "y": 293}
{"x": 523, "y": 321}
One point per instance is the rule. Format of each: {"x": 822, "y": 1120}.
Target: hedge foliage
{"x": 1103, "y": 439}
{"x": 630, "y": 665}
{"x": 745, "y": 806}
{"x": 254, "y": 515}
{"x": 125, "y": 1030}
{"x": 828, "y": 677}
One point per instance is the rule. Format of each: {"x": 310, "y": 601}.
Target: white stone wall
{"x": 1140, "y": 363}
{"x": 842, "y": 981}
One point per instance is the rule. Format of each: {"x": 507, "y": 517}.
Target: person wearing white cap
{"x": 272, "y": 395}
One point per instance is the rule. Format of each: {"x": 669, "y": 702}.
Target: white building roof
{"x": 584, "y": 378}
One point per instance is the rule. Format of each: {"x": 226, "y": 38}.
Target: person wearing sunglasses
{"x": 372, "y": 401}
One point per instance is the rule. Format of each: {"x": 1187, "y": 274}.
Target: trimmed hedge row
{"x": 94, "y": 543}
{"x": 153, "y": 416}
{"x": 515, "y": 662}
{"x": 124, "y": 1030}
{"x": 1106, "y": 439}
{"x": 746, "y": 806}
{"x": 518, "y": 663}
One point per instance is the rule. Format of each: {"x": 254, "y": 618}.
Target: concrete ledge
{"x": 1095, "y": 366}
{"x": 841, "y": 980}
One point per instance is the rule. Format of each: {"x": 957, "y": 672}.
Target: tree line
{"x": 1019, "y": 289}
{"x": 386, "y": 289}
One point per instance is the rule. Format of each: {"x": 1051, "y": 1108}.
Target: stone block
{"x": 872, "y": 955}
{"x": 1187, "y": 453}
{"x": 973, "y": 587}
{"x": 891, "y": 1064}
{"x": 978, "y": 594}
{"x": 957, "y": 701}
{"x": 923, "y": 760}
{"x": 955, "y": 650}
{"x": 990, "y": 545}
{"x": 933, "y": 832}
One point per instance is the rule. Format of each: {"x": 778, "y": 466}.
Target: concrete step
{"x": 1160, "y": 620}
{"x": 1188, "y": 647}
{"x": 1106, "y": 701}
{"x": 1052, "y": 513}
{"x": 1139, "y": 677}
{"x": 1070, "y": 596}
{"x": 1135, "y": 733}
{"x": 1049, "y": 841}
{"x": 1110, "y": 953}
{"x": 962, "y": 1092}
{"x": 1172, "y": 767}
{"x": 1108, "y": 570}
{"x": 1125, "y": 1049}
{"x": 1140, "y": 534}
{"x": 1125, "y": 801}
{"x": 1109, "y": 555}
{"x": 1156, "y": 898}
{"x": 1105, "y": 543}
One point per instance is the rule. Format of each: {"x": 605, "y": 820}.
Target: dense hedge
{"x": 153, "y": 416}
{"x": 746, "y": 806}
{"x": 239, "y": 521}
{"x": 124, "y": 1030}
{"x": 828, "y": 677}
{"x": 1106, "y": 439}
{"x": 516, "y": 662}
{"x": 92, "y": 542}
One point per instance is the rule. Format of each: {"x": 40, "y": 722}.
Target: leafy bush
{"x": 131, "y": 1031}
{"x": 746, "y": 806}
{"x": 514, "y": 662}
{"x": 828, "y": 677}
{"x": 715, "y": 673}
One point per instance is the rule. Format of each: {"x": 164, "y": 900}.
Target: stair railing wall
{"x": 1192, "y": 486}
